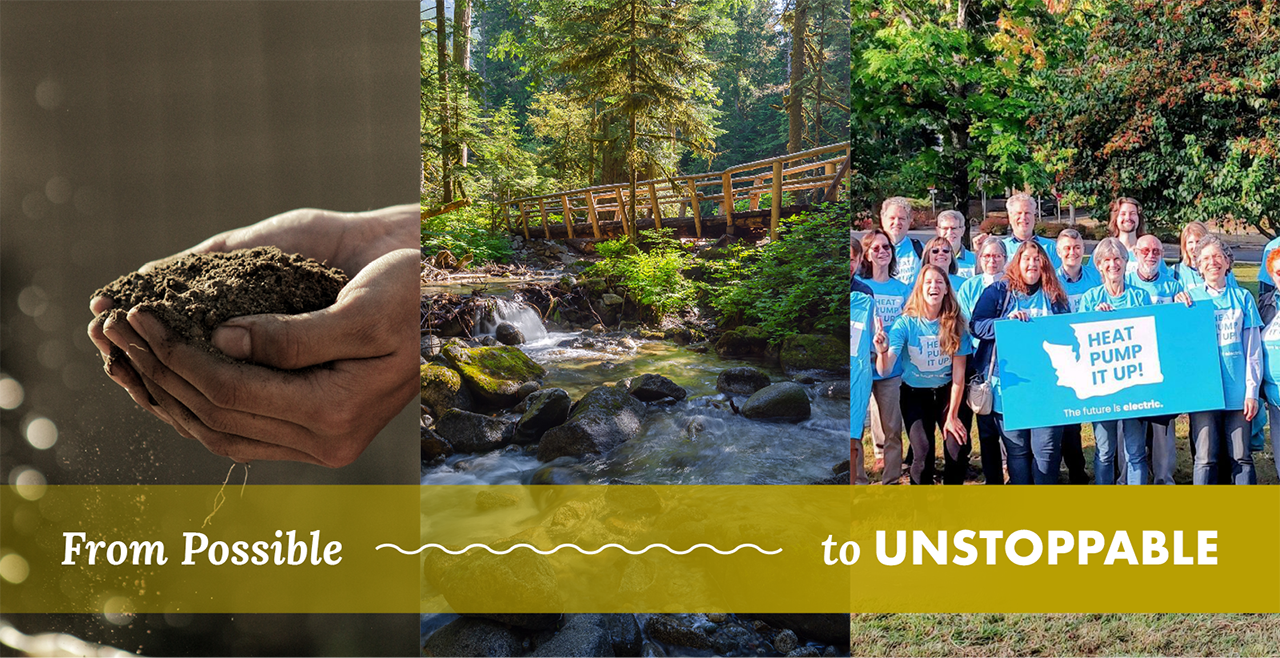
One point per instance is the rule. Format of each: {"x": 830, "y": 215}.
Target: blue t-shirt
{"x": 1012, "y": 243}
{"x": 908, "y": 262}
{"x": 1162, "y": 290}
{"x": 890, "y": 297}
{"x": 1191, "y": 279}
{"x": 1263, "y": 275}
{"x": 1271, "y": 360}
{"x": 969, "y": 292}
{"x": 1036, "y": 305}
{"x": 1089, "y": 279}
{"x": 1234, "y": 312}
{"x": 956, "y": 282}
{"x": 1129, "y": 298}
{"x": 966, "y": 263}
{"x": 924, "y": 365}
{"x": 861, "y": 364}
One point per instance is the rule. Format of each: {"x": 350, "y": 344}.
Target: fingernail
{"x": 232, "y": 341}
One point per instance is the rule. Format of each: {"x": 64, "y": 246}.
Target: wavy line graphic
{"x": 579, "y": 549}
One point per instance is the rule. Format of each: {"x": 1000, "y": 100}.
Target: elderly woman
{"x": 1226, "y": 432}
{"x": 991, "y": 266}
{"x": 879, "y": 266}
{"x": 1030, "y": 289}
{"x": 1271, "y": 353}
{"x": 932, "y": 339}
{"x": 1112, "y": 259}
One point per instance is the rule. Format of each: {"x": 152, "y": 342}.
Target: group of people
{"x": 936, "y": 305}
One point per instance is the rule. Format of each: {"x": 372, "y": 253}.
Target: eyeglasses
{"x": 1150, "y": 252}
{"x": 880, "y": 247}
{"x": 991, "y": 257}
{"x": 939, "y": 250}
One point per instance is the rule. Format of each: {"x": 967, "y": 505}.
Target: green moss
{"x": 813, "y": 352}
{"x": 440, "y": 387}
{"x": 494, "y": 373}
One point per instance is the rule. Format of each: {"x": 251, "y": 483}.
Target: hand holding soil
{"x": 336, "y": 375}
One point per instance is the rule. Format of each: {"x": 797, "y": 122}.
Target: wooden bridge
{"x": 677, "y": 202}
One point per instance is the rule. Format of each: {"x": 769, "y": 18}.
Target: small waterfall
{"x": 514, "y": 311}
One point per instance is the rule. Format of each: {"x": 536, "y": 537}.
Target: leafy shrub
{"x": 465, "y": 231}
{"x": 654, "y": 275}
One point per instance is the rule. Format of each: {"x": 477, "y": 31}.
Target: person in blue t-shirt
{"x": 1024, "y": 212}
{"x": 895, "y": 220}
{"x": 891, "y": 295}
{"x": 939, "y": 252}
{"x": 1076, "y": 279}
{"x": 860, "y": 296}
{"x": 1185, "y": 271}
{"x": 1029, "y": 290}
{"x": 991, "y": 266}
{"x": 952, "y": 226}
{"x": 1111, "y": 259}
{"x": 931, "y": 333}
{"x": 1225, "y": 433}
{"x": 1151, "y": 274}
{"x": 1271, "y": 354}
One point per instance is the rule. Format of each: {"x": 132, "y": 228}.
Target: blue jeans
{"x": 1222, "y": 435}
{"x": 1035, "y": 455}
{"x": 1133, "y": 433}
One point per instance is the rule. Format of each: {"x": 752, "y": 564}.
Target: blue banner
{"x": 861, "y": 330}
{"x": 1129, "y": 363}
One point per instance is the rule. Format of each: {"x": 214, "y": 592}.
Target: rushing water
{"x": 699, "y": 440}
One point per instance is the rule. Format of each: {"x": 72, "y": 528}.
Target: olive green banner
{"x": 292, "y": 549}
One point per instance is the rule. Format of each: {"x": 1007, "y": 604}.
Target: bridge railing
{"x": 824, "y": 167}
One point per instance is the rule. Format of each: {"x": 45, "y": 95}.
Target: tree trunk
{"x": 961, "y": 186}
{"x": 631, "y": 133}
{"x": 795, "y": 109}
{"x": 462, "y": 54}
{"x": 442, "y": 65}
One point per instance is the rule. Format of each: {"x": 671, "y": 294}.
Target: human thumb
{"x": 290, "y": 342}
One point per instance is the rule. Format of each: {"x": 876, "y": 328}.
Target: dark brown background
{"x": 130, "y": 131}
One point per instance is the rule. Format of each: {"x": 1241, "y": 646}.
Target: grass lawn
{"x": 1065, "y": 635}
{"x": 1264, "y": 462}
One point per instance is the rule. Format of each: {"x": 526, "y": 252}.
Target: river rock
{"x": 741, "y": 381}
{"x": 743, "y": 341}
{"x": 430, "y": 346}
{"x": 442, "y": 389}
{"x": 581, "y": 635}
{"x": 470, "y": 432}
{"x": 597, "y": 328}
{"x": 610, "y": 299}
{"x": 604, "y": 418}
{"x": 804, "y": 652}
{"x": 650, "y": 388}
{"x": 786, "y": 641}
{"x": 526, "y": 389}
{"x": 477, "y": 578}
{"x": 544, "y": 409}
{"x": 829, "y": 629}
{"x": 670, "y": 630}
{"x": 785, "y": 401}
{"x": 508, "y": 334}
{"x": 814, "y": 352}
{"x": 836, "y": 390}
{"x": 624, "y": 634}
{"x": 472, "y": 636}
{"x": 433, "y": 445}
{"x": 494, "y": 374}
{"x": 488, "y": 341}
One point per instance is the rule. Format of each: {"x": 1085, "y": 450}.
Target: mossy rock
{"x": 801, "y": 352}
{"x": 493, "y": 374}
{"x": 743, "y": 341}
{"x": 442, "y": 389}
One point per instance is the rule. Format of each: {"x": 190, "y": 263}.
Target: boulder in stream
{"x": 476, "y": 433}
{"x": 472, "y": 636}
{"x": 604, "y": 418}
{"x": 581, "y": 635}
{"x": 442, "y": 389}
{"x": 651, "y": 388}
{"x": 494, "y": 374}
{"x": 827, "y": 628}
{"x": 544, "y": 409}
{"x": 741, "y": 381}
{"x": 743, "y": 341}
{"x": 785, "y": 401}
{"x": 433, "y": 445}
{"x": 814, "y": 352}
{"x": 508, "y": 334}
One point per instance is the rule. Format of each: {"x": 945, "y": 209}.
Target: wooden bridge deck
{"x": 678, "y": 202}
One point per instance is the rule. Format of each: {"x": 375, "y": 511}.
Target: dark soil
{"x": 193, "y": 294}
